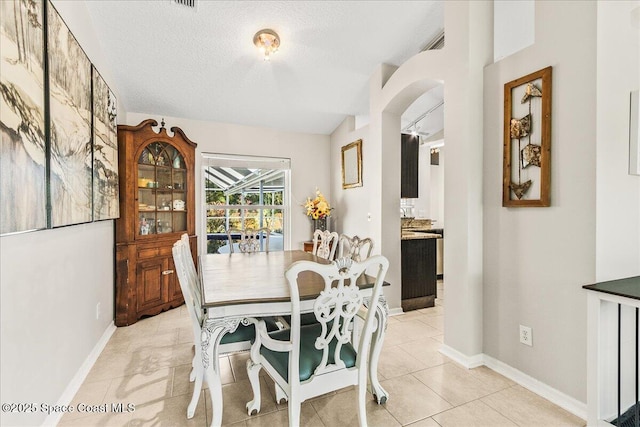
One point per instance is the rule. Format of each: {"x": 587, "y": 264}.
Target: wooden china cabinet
{"x": 157, "y": 205}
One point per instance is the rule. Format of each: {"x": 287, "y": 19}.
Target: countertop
{"x": 418, "y": 228}
{"x": 629, "y": 287}
{"x": 414, "y": 235}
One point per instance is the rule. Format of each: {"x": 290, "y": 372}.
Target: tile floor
{"x": 148, "y": 364}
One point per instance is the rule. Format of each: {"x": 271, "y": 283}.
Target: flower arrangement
{"x": 318, "y": 208}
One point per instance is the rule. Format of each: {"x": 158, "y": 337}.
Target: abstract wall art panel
{"x": 22, "y": 117}
{"x": 69, "y": 125}
{"x": 105, "y": 151}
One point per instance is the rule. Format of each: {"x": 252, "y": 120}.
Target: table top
{"x": 629, "y": 287}
{"x": 249, "y": 278}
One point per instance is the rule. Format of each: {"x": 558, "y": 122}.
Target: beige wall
{"x": 537, "y": 259}
{"x": 51, "y": 282}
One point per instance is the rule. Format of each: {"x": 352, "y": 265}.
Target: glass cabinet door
{"x": 162, "y": 180}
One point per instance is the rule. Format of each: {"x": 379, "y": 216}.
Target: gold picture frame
{"x": 352, "y": 165}
{"x": 526, "y": 177}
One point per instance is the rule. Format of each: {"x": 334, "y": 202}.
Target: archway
{"x": 460, "y": 66}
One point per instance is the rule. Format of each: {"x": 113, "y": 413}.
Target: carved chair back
{"x": 354, "y": 247}
{"x": 328, "y": 360}
{"x": 325, "y": 243}
{"x": 251, "y": 240}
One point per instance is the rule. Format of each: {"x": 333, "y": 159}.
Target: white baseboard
{"x": 468, "y": 362}
{"x": 395, "y": 311}
{"x": 563, "y": 400}
{"x": 77, "y": 380}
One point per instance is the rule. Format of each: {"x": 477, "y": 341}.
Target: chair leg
{"x": 280, "y": 394}
{"x": 362, "y": 400}
{"x": 192, "y": 374}
{"x": 197, "y": 388}
{"x": 253, "y": 371}
{"x": 294, "y": 412}
{"x": 197, "y": 372}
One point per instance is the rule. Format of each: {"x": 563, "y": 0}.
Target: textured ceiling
{"x": 201, "y": 64}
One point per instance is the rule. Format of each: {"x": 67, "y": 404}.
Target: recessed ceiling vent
{"x": 436, "y": 43}
{"x": 187, "y": 3}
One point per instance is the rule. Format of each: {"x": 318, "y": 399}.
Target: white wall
{"x": 430, "y": 201}
{"x": 514, "y": 27}
{"x": 617, "y": 192}
{"x": 459, "y": 65}
{"x": 309, "y": 154}
{"x": 50, "y": 283}
{"x": 351, "y": 205}
{"x": 537, "y": 259}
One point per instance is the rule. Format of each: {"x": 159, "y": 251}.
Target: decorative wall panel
{"x": 69, "y": 125}
{"x": 527, "y": 140}
{"x": 105, "y": 151}
{"x": 22, "y": 117}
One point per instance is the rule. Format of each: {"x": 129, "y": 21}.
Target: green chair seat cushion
{"x": 248, "y": 333}
{"x": 310, "y": 356}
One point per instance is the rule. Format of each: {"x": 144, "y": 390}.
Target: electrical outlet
{"x": 526, "y": 336}
{"x": 98, "y": 311}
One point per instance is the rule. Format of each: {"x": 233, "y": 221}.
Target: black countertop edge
{"x": 628, "y": 287}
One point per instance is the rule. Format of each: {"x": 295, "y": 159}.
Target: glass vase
{"x": 320, "y": 224}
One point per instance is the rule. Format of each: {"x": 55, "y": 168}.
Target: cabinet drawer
{"x": 146, "y": 253}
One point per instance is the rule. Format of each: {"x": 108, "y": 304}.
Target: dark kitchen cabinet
{"x": 418, "y": 273}
{"x": 409, "y": 174}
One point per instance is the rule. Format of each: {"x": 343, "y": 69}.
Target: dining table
{"x": 240, "y": 287}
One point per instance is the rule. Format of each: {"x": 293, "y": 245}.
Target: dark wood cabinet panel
{"x": 173, "y": 286}
{"x": 157, "y": 205}
{"x": 409, "y": 173}
{"x": 418, "y": 273}
{"x": 151, "y": 290}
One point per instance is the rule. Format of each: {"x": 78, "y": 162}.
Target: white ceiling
{"x": 201, "y": 64}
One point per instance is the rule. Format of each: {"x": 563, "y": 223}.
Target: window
{"x": 245, "y": 192}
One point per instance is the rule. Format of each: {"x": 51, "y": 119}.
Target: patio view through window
{"x": 245, "y": 192}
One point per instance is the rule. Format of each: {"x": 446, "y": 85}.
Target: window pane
{"x": 235, "y": 190}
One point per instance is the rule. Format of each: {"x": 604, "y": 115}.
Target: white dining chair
{"x": 250, "y": 240}
{"x": 238, "y": 340}
{"x": 307, "y": 361}
{"x": 325, "y": 243}
{"x": 354, "y": 247}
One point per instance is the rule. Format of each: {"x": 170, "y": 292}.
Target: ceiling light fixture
{"x": 267, "y": 41}
{"x": 417, "y": 120}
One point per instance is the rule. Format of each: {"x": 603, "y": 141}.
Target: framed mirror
{"x": 352, "y": 165}
{"x": 634, "y": 134}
